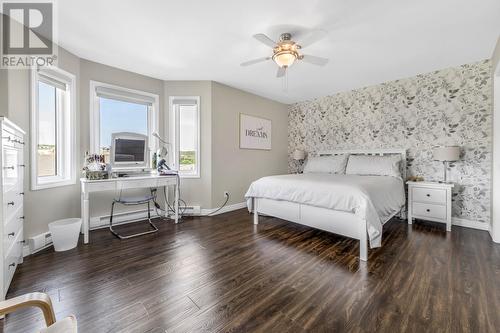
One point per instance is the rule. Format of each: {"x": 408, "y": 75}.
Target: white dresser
{"x": 430, "y": 201}
{"x": 12, "y": 191}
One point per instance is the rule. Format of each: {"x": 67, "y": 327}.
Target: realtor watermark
{"x": 28, "y": 34}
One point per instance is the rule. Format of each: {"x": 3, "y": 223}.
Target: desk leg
{"x": 85, "y": 217}
{"x": 176, "y": 202}
{"x": 165, "y": 202}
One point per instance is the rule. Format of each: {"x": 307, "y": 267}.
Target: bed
{"x": 355, "y": 206}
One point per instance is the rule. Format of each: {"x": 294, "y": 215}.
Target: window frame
{"x": 95, "y": 116}
{"x": 174, "y": 134}
{"x": 65, "y": 132}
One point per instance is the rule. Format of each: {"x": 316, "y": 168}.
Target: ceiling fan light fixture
{"x": 285, "y": 58}
{"x": 286, "y": 52}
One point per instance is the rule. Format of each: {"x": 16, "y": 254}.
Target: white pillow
{"x": 326, "y": 164}
{"x": 372, "y": 165}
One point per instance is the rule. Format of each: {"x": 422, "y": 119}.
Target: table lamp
{"x": 446, "y": 155}
{"x": 298, "y": 156}
{"x": 162, "y": 152}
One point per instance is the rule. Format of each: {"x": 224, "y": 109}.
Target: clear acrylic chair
{"x": 132, "y": 201}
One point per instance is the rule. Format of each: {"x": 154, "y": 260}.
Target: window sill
{"x": 189, "y": 176}
{"x": 52, "y": 184}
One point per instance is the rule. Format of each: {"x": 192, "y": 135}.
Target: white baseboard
{"x": 99, "y": 222}
{"x": 27, "y": 251}
{"x": 139, "y": 215}
{"x": 470, "y": 224}
{"x": 495, "y": 240}
{"x": 225, "y": 209}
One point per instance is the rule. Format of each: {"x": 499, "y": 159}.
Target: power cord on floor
{"x": 181, "y": 203}
{"x": 223, "y": 205}
{"x": 169, "y": 209}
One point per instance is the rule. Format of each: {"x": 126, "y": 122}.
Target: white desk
{"x": 116, "y": 184}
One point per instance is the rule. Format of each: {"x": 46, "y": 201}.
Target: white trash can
{"x": 65, "y": 233}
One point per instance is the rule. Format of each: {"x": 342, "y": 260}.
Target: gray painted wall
{"x": 196, "y": 191}
{"x": 223, "y": 165}
{"x": 4, "y": 84}
{"x": 89, "y": 70}
{"x": 43, "y": 206}
{"x": 219, "y": 140}
{"x": 4, "y": 92}
{"x": 233, "y": 169}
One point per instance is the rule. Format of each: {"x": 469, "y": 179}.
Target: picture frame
{"x": 255, "y": 132}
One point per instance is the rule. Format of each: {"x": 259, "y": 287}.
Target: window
{"x": 48, "y": 97}
{"x": 116, "y": 109}
{"x": 112, "y": 120}
{"x": 52, "y": 123}
{"x": 185, "y": 135}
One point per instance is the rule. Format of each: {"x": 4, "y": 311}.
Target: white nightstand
{"x": 430, "y": 201}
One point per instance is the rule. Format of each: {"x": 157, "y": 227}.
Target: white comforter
{"x": 371, "y": 198}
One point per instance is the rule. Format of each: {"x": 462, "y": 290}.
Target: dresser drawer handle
{"x": 10, "y": 203}
{"x": 6, "y": 137}
{"x": 428, "y": 195}
{"x": 11, "y": 234}
{"x": 12, "y": 265}
{"x": 21, "y": 217}
{"x": 427, "y": 210}
{"x": 21, "y": 165}
{"x": 6, "y": 168}
{"x": 21, "y": 193}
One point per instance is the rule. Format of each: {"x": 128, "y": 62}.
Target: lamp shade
{"x": 446, "y": 154}
{"x": 284, "y": 58}
{"x": 162, "y": 151}
{"x": 299, "y": 155}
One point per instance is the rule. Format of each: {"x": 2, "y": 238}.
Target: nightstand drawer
{"x": 430, "y": 195}
{"x": 429, "y": 211}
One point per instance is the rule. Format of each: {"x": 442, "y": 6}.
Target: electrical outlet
{"x": 226, "y": 193}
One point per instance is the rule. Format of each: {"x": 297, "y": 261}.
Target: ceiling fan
{"x": 286, "y": 51}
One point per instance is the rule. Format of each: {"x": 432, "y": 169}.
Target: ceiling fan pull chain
{"x": 285, "y": 81}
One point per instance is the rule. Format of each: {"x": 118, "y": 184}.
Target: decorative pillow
{"x": 373, "y": 165}
{"x": 326, "y": 164}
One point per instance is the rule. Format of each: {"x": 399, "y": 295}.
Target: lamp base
{"x": 298, "y": 164}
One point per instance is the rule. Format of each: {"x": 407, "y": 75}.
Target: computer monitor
{"x": 129, "y": 151}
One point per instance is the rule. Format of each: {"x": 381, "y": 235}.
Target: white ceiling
{"x": 368, "y": 41}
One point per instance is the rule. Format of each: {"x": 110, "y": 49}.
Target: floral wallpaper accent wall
{"x": 445, "y": 107}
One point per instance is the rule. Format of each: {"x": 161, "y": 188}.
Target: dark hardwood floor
{"x": 225, "y": 274}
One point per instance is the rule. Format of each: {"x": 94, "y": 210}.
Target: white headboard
{"x": 380, "y": 152}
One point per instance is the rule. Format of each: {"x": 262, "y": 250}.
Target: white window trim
{"x": 174, "y": 135}
{"x": 67, "y": 143}
{"x": 95, "y": 119}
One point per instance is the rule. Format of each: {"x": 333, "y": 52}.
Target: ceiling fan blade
{"x": 254, "y": 61}
{"x": 312, "y": 37}
{"x": 318, "y": 61}
{"x": 281, "y": 71}
{"x": 264, "y": 39}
